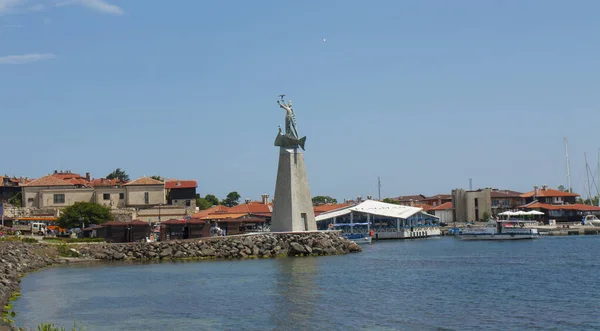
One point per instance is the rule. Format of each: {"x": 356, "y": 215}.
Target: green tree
{"x": 120, "y": 174}
{"x": 561, "y": 188}
{"x": 232, "y": 199}
{"x": 16, "y": 199}
{"x": 212, "y": 199}
{"x": 485, "y": 217}
{"x": 203, "y": 204}
{"x": 84, "y": 212}
{"x": 321, "y": 200}
{"x": 158, "y": 178}
{"x": 390, "y": 200}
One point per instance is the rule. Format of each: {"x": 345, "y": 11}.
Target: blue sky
{"x": 425, "y": 94}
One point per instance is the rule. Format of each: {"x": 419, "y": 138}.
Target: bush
{"x": 29, "y": 240}
{"x": 65, "y": 251}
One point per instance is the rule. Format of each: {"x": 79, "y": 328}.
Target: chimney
{"x": 544, "y": 187}
{"x": 264, "y": 199}
{"x": 359, "y": 199}
{"x": 55, "y": 171}
{"x": 87, "y": 176}
{"x": 535, "y": 192}
{"x": 369, "y": 197}
{"x": 247, "y": 201}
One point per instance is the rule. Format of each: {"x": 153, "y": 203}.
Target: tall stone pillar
{"x": 292, "y": 206}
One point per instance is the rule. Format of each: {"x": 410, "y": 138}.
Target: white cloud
{"x": 8, "y": 6}
{"x": 25, "y": 58}
{"x": 97, "y": 5}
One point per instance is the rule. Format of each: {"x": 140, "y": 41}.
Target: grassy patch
{"x": 52, "y": 327}
{"x": 65, "y": 251}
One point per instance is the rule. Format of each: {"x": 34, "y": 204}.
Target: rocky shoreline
{"x": 245, "y": 246}
{"x": 16, "y": 259}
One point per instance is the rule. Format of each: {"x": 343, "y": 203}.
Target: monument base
{"x": 292, "y": 205}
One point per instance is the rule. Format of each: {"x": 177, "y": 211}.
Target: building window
{"x": 29, "y": 199}
{"x": 106, "y": 196}
{"x": 188, "y": 203}
{"x": 59, "y": 198}
{"x": 476, "y": 202}
{"x": 146, "y": 197}
{"x": 121, "y": 196}
{"x": 495, "y": 203}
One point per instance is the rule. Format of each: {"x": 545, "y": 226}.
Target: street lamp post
{"x": 159, "y": 205}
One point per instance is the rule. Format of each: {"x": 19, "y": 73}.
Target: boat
{"x": 591, "y": 220}
{"x": 500, "y": 230}
{"x": 357, "y": 232}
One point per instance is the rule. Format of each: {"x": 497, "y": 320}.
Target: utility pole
{"x": 568, "y": 166}
{"x": 379, "y": 187}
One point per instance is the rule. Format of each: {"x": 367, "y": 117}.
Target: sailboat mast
{"x": 568, "y": 166}
{"x": 587, "y": 174}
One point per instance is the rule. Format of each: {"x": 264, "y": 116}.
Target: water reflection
{"x": 297, "y": 293}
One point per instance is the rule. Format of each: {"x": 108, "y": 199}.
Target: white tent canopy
{"x": 376, "y": 208}
{"x": 521, "y": 213}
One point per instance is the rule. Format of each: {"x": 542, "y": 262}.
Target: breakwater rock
{"x": 252, "y": 245}
{"x": 18, "y": 258}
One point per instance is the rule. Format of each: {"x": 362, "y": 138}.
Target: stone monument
{"x": 292, "y": 205}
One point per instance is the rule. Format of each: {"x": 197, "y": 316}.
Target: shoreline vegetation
{"x": 19, "y": 257}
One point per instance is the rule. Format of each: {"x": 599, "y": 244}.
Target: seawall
{"x": 16, "y": 259}
{"x": 264, "y": 245}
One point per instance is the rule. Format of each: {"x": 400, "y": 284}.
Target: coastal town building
{"x": 9, "y": 187}
{"x": 471, "y": 206}
{"x": 557, "y": 205}
{"x": 181, "y": 192}
{"x": 388, "y": 221}
{"x": 437, "y": 200}
{"x": 445, "y": 212}
{"x": 409, "y": 200}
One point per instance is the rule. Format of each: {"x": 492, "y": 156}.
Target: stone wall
{"x": 16, "y": 259}
{"x": 16, "y": 211}
{"x": 254, "y": 245}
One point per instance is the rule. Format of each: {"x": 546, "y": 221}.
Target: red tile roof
{"x": 175, "y": 183}
{"x": 48, "y": 180}
{"x": 439, "y": 196}
{"x": 253, "y": 207}
{"x": 145, "y": 181}
{"x": 576, "y": 206}
{"x": 425, "y": 207}
{"x": 548, "y": 193}
{"x": 417, "y": 197}
{"x": 320, "y": 209}
{"x": 66, "y": 175}
{"x": 443, "y": 206}
{"x": 213, "y": 209}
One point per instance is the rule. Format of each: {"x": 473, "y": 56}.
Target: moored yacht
{"x": 500, "y": 230}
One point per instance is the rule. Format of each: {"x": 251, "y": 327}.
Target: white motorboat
{"x": 591, "y": 220}
{"x": 358, "y": 238}
{"x": 500, "y": 230}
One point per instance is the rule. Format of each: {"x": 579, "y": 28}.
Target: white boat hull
{"x": 497, "y": 236}
{"x": 363, "y": 241}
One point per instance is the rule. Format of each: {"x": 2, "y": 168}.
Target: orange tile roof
{"x": 320, "y": 209}
{"x": 175, "y": 183}
{"x": 48, "y": 180}
{"x": 66, "y": 175}
{"x": 145, "y": 181}
{"x": 78, "y": 181}
{"x": 548, "y": 193}
{"x": 213, "y": 209}
{"x": 253, "y": 207}
{"x": 443, "y": 206}
{"x": 575, "y": 206}
{"x": 220, "y": 216}
{"x": 425, "y": 207}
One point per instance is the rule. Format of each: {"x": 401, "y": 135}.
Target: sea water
{"x": 428, "y": 284}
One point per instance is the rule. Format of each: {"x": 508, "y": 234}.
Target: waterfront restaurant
{"x": 388, "y": 221}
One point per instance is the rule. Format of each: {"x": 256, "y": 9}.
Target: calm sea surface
{"x": 431, "y": 284}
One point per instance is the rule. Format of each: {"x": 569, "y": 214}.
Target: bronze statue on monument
{"x": 291, "y": 138}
